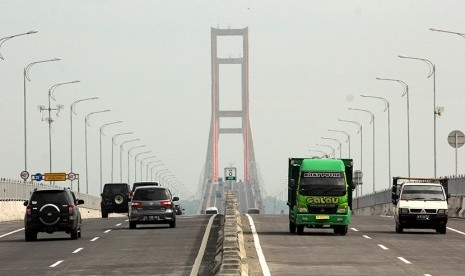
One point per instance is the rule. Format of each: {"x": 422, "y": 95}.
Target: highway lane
{"x": 370, "y": 248}
{"x": 107, "y": 247}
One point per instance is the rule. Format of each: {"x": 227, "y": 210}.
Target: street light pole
{"x": 26, "y": 77}
{"x": 142, "y": 163}
{"x": 135, "y": 163}
{"x": 151, "y": 171}
{"x": 157, "y": 177}
{"x": 121, "y": 158}
{"x": 347, "y": 134}
{"x": 408, "y": 117}
{"x": 432, "y": 68}
{"x": 71, "y": 129}
{"x": 319, "y": 151}
{"x": 4, "y": 39}
{"x": 328, "y": 146}
{"x": 361, "y": 147}
{"x": 86, "y": 123}
{"x": 340, "y": 144}
{"x": 101, "y": 133}
{"x": 386, "y": 107}
{"x": 112, "y": 150}
{"x": 372, "y": 121}
{"x": 50, "y": 120}
{"x": 147, "y": 169}
{"x": 129, "y": 152}
{"x": 449, "y": 32}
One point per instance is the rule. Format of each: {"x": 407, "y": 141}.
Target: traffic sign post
{"x": 37, "y": 177}
{"x": 230, "y": 174}
{"x": 24, "y": 175}
{"x": 55, "y": 176}
{"x": 456, "y": 139}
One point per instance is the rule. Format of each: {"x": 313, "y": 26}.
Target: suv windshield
{"x": 151, "y": 194}
{"x": 140, "y": 184}
{"x": 322, "y": 184}
{"x": 57, "y": 197}
{"x": 422, "y": 192}
{"x": 115, "y": 189}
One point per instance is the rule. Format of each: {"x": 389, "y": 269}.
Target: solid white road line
{"x": 203, "y": 245}
{"x": 404, "y": 260}
{"x": 119, "y": 224}
{"x": 77, "y": 250}
{"x": 366, "y": 237}
{"x": 452, "y": 229}
{"x": 94, "y": 239}
{"x": 57, "y": 263}
{"x": 354, "y": 229}
{"x": 427, "y": 274}
{"x": 261, "y": 257}
{"x": 383, "y": 247}
{"x": 107, "y": 231}
{"x": 12, "y": 232}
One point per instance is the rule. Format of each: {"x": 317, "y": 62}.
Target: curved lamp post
{"x": 147, "y": 168}
{"x": 158, "y": 177}
{"x": 135, "y": 163}
{"x": 372, "y": 121}
{"x": 386, "y": 107}
{"x": 129, "y": 152}
{"x": 86, "y": 123}
{"x": 121, "y": 157}
{"x": 112, "y": 150}
{"x": 151, "y": 171}
{"x": 101, "y": 134}
{"x": 142, "y": 166}
{"x": 449, "y": 32}
{"x": 408, "y": 117}
{"x": 328, "y": 146}
{"x": 4, "y": 39}
{"x": 340, "y": 144}
{"x": 26, "y": 77}
{"x": 319, "y": 151}
{"x": 360, "y": 129}
{"x": 346, "y": 133}
{"x": 49, "y": 119}
{"x": 432, "y": 72}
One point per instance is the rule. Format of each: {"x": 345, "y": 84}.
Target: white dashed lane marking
{"x": 404, "y": 260}
{"x": 94, "y": 239}
{"x": 57, "y": 263}
{"x": 354, "y": 229}
{"x": 383, "y": 247}
{"x": 77, "y": 250}
{"x": 366, "y": 237}
{"x": 119, "y": 224}
{"x": 107, "y": 231}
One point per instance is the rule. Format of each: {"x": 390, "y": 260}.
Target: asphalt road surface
{"x": 370, "y": 248}
{"x": 107, "y": 247}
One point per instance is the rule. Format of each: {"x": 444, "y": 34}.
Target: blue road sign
{"x": 37, "y": 177}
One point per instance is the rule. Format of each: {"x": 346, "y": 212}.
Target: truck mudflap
{"x": 321, "y": 220}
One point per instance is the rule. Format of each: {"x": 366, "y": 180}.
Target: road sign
{"x": 230, "y": 174}
{"x": 456, "y": 139}
{"x": 24, "y": 175}
{"x": 54, "y": 176}
{"x": 37, "y": 177}
{"x": 73, "y": 176}
{"x": 357, "y": 178}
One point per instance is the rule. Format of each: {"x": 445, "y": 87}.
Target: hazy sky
{"x": 149, "y": 62}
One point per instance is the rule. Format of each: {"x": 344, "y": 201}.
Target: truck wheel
{"x": 441, "y": 229}
{"x": 342, "y": 230}
{"x": 291, "y": 227}
{"x": 300, "y": 229}
{"x": 132, "y": 225}
{"x": 104, "y": 214}
{"x": 399, "y": 228}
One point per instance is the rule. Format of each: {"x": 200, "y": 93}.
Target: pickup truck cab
{"x": 421, "y": 205}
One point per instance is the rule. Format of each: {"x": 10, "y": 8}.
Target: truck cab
{"x": 420, "y": 204}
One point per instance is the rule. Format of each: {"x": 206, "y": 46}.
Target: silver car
{"x": 152, "y": 205}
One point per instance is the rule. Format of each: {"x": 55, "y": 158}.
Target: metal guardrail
{"x": 18, "y": 190}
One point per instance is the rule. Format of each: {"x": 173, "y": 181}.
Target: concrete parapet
{"x": 230, "y": 251}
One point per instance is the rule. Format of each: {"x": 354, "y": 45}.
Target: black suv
{"x": 115, "y": 199}
{"x": 52, "y": 210}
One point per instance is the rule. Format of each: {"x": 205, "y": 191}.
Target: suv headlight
{"x": 442, "y": 211}
{"x": 403, "y": 210}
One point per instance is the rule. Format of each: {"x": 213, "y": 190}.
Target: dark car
{"x": 253, "y": 211}
{"x": 178, "y": 209}
{"x": 52, "y": 210}
{"x": 115, "y": 199}
{"x": 152, "y": 205}
{"x": 140, "y": 184}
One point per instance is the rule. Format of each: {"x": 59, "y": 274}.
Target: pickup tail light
{"x": 136, "y": 204}
{"x": 166, "y": 203}
{"x": 70, "y": 209}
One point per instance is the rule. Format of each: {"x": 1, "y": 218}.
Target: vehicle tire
{"x": 343, "y": 230}
{"x": 104, "y": 214}
{"x": 173, "y": 224}
{"x": 300, "y": 229}
{"x": 132, "y": 225}
{"x": 441, "y": 229}
{"x": 118, "y": 199}
{"x": 30, "y": 235}
{"x": 49, "y": 214}
{"x": 74, "y": 234}
{"x": 399, "y": 229}
{"x": 291, "y": 227}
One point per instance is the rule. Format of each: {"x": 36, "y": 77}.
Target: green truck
{"x": 320, "y": 194}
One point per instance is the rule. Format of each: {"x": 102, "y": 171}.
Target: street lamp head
{"x": 32, "y": 32}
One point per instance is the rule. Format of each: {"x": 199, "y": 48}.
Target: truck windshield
{"x": 422, "y": 192}
{"x": 322, "y": 184}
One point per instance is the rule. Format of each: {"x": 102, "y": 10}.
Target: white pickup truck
{"x": 420, "y": 203}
